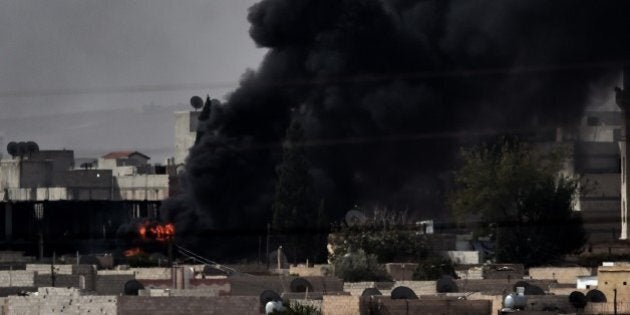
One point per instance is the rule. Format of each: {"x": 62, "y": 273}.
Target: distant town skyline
{"x": 97, "y": 76}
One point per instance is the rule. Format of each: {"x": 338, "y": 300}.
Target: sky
{"x": 97, "y": 76}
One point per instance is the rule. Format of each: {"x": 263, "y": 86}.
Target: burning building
{"x": 43, "y": 195}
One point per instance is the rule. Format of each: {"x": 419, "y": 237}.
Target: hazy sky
{"x": 70, "y": 69}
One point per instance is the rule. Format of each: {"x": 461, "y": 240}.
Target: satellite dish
{"x": 12, "y": 148}
{"x": 371, "y": 291}
{"x": 577, "y": 299}
{"x": 21, "y": 148}
{"x": 31, "y": 147}
{"x": 269, "y": 296}
{"x": 355, "y": 217}
{"x": 596, "y": 296}
{"x": 132, "y": 287}
{"x": 403, "y": 293}
{"x": 274, "y": 307}
{"x": 299, "y": 285}
{"x": 446, "y": 284}
{"x": 196, "y": 102}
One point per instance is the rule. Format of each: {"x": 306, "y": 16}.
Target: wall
{"x": 9, "y": 174}
{"x": 567, "y": 275}
{"x": 17, "y": 278}
{"x": 462, "y": 257}
{"x": 36, "y": 174}
{"x": 315, "y": 270}
{"x": 112, "y": 282}
{"x": 141, "y": 187}
{"x": 340, "y": 305}
{"x": 446, "y": 306}
{"x": 607, "y": 308}
{"x": 56, "y": 301}
{"x": 617, "y": 277}
{"x": 185, "y": 133}
{"x": 140, "y": 305}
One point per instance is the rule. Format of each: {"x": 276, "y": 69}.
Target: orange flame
{"x": 155, "y": 231}
{"x": 163, "y": 232}
{"x": 133, "y": 251}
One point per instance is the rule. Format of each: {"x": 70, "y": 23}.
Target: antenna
{"x": 196, "y": 102}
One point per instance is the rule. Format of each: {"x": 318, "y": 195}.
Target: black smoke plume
{"x": 387, "y": 90}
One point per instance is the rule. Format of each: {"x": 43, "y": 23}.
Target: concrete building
{"x": 596, "y": 158}
{"x": 614, "y": 280}
{"x": 186, "y": 123}
{"x": 43, "y": 195}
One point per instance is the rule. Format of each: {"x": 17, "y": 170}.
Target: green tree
{"x": 385, "y": 234}
{"x": 295, "y": 206}
{"x": 523, "y": 200}
{"x": 355, "y": 266}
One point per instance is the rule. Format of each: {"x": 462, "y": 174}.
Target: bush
{"x": 298, "y": 309}
{"x": 358, "y": 266}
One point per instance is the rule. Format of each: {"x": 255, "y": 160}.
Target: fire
{"x": 133, "y": 251}
{"x": 163, "y": 232}
{"x": 155, "y": 231}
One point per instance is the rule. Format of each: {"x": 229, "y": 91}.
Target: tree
{"x": 385, "y": 234}
{"x": 522, "y": 199}
{"x": 355, "y": 266}
{"x": 296, "y": 205}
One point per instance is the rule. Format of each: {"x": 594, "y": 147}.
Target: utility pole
{"x": 268, "y": 232}
{"x": 52, "y": 270}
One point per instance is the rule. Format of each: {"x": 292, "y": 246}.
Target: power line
{"x": 341, "y": 79}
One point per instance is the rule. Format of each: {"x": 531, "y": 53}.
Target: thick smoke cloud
{"x": 387, "y": 90}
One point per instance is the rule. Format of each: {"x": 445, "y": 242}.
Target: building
{"x": 43, "y": 193}
{"x": 186, "y": 123}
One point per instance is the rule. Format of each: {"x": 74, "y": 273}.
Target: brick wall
{"x": 566, "y": 275}
{"x": 140, "y": 305}
{"x": 340, "y": 305}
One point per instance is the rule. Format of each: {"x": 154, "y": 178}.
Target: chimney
{"x": 622, "y": 98}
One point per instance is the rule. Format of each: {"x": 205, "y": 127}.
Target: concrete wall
{"x": 36, "y": 174}
{"x": 111, "y": 283}
{"x": 141, "y": 187}
{"x": 611, "y": 278}
{"x": 9, "y": 174}
{"x": 140, "y": 305}
{"x": 438, "y": 306}
{"x": 185, "y": 133}
{"x": 17, "y": 278}
{"x": 315, "y": 270}
{"x": 461, "y": 257}
{"x": 607, "y": 308}
{"x": 58, "y": 302}
{"x": 565, "y": 275}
